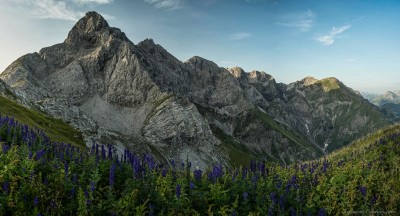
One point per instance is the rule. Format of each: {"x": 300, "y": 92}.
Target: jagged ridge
{"x": 143, "y": 98}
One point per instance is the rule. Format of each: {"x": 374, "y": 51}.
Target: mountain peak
{"x": 87, "y": 27}
{"x": 92, "y": 21}
{"x": 202, "y": 63}
{"x": 236, "y": 71}
{"x": 309, "y": 80}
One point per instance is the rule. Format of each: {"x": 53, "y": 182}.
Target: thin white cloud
{"x": 167, "y": 4}
{"x": 302, "y": 21}
{"x": 71, "y": 10}
{"x": 358, "y": 19}
{"x": 227, "y": 63}
{"x": 329, "y": 39}
{"x": 50, "y": 9}
{"x": 351, "y": 60}
{"x": 252, "y": 1}
{"x": 93, "y": 1}
{"x": 239, "y": 36}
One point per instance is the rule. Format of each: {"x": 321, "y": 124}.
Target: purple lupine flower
{"x": 292, "y": 211}
{"x": 88, "y": 201}
{"x": 73, "y": 190}
{"x": 164, "y": 172}
{"x": 281, "y": 201}
{"x": 97, "y": 149}
{"x": 92, "y": 150}
{"x": 151, "y": 209}
{"x": 211, "y": 177}
{"x": 5, "y": 148}
{"x": 273, "y": 197}
{"x": 245, "y": 196}
{"x": 321, "y": 212}
{"x": 262, "y": 168}
{"x": 173, "y": 163}
{"x": 270, "y": 211}
{"x": 373, "y": 200}
{"x": 32, "y": 175}
{"x": 109, "y": 151}
{"x": 363, "y": 190}
{"x": 279, "y": 184}
{"x": 182, "y": 165}
{"x": 178, "y": 191}
{"x": 254, "y": 179}
{"x": 103, "y": 152}
{"x": 36, "y": 201}
{"x": 197, "y": 174}
{"x": 66, "y": 168}
{"x": 136, "y": 167}
{"x": 74, "y": 178}
{"x": 217, "y": 171}
{"x": 112, "y": 175}
{"x": 252, "y": 165}
{"x": 53, "y": 204}
{"x": 92, "y": 187}
{"x": 6, "y": 187}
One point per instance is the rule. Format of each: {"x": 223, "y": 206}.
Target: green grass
{"x": 56, "y": 129}
{"x": 329, "y": 84}
{"x": 289, "y": 134}
{"x": 239, "y": 154}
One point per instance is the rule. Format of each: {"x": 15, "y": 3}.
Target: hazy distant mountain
{"x": 388, "y": 101}
{"x": 143, "y": 98}
{"x": 382, "y": 99}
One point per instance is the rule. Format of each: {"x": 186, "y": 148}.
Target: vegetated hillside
{"x": 328, "y": 113}
{"x": 394, "y": 109}
{"x": 41, "y": 177}
{"x": 56, "y": 129}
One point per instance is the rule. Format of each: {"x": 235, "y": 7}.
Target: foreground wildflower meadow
{"x": 41, "y": 177}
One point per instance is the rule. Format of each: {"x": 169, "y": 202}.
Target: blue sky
{"x": 356, "y": 41}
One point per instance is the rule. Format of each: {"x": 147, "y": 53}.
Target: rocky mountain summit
{"x": 142, "y": 98}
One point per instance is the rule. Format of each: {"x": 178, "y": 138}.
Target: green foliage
{"x": 39, "y": 176}
{"x": 239, "y": 154}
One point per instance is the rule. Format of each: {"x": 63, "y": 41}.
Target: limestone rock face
{"x": 142, "y": 98}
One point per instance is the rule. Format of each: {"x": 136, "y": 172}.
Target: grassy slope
{"x": 358, "y": 108}
{"x": 239, "y": 154}
{"x": 298, "y": 142}
{"x": 372, "y": 161}
{"x": 291, "y": 135}
{"x": 56, "y": 129}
